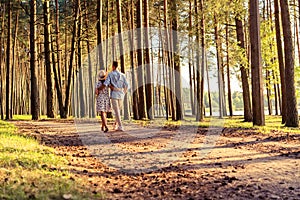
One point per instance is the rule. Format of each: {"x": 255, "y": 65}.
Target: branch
{"x": 24, "y": 7}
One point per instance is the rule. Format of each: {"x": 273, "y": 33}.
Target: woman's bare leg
{"x": 104, "y": 121}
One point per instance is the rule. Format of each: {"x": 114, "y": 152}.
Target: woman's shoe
{"x": 106, "y": 129}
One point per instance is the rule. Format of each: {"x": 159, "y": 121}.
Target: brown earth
{"x": 243, "y": 164}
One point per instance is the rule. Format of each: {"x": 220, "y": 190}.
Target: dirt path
{"x": 137, "y": 163}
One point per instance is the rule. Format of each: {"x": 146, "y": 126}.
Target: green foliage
{"x": 238, "y": 57}
{"x": 31, "y": 171}
{"x": 237, "y": 100}
{"x": 269, "y": 50}
{"x": 273, "y": 124}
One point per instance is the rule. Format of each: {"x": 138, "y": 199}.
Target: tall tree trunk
{"x": 268, "y": 87}
{"x": 168, "y": 63}
{"x": 203, "y": 60}
{"x": 208, "y": 90}
{"x": 296, "y": 30}
{"x": 1, "y": 63}
{"x": 149, "y": 85}
{"x": 228, "y": 72}
{"x": 122, "y": 54}
{"x": 163, "y": 61}
{"x": 50, "y": 108}
{"x": 191, "y": 72}
{"x": 256, "y": 67}
{"x": 81, "y": 86}
{"x": 197, "y": 68}
{"x": 57, "y": 34}
{"x": 57, "y": 83}
{"x": 132, "y": 62}
{"x": 219, "y": 63}
{"x": 279, "y": 97}
{"x": 8, "y": 54}
{"x": 140, "y": 59}
{"x": 64, "y": 71}
{"x": 113, "y": 31}
{"x": 245, "y": 84}
{"x": 292, "y": 119}
{"x": 57, "y": 65}
{"x": 35, "y": 104}
{"x": 275, "y": 93}
{"x": 92, "y": 112}
{"x": 99, "y": 34}
{"x": 70, "y": 70}
{"x": 13, "y": 67}
{"x": 299, "y": 13}
{"x": 179, "y": 112}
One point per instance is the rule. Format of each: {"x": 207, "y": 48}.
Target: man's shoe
{"x": 120, "y": 128}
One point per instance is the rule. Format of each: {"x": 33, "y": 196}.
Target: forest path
{"x": 139, "y": 163}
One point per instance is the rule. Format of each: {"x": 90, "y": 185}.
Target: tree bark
{"x": 203, "y": 61}
{"x": 292, "y": 119}
{"x": 57, "y": 33}
{"x": 228, "y": 72}
{"x": 57, "y": 65}
{"x": 140, "y": 58}
{"x": 177, "y": 68}
{"x": 244, "y": 75}
{"x": 13, "y": 67}
{"x": 132, "y": 62}
{"x": 92, "y": 112}
{"x": 47, "y": 40}
{"x": 1, "y": 62}
{"x": 35, "y": 104}
{"x": 198, "y": 65}
{"x": 82, "y": 101}
{"x": 149, "y": 85}
{"x": 8, "y": 54}
{"x": 57, "y": 83}
{"x": 99, "y": 34}
{"x": 191, "y": 72}
{"x": 70, "y": 70}
{"x": 256, "y": 67}
{"x": 268, "y": 88}
{"x": 122, "y": 54}
{"x": 275, "y": 93}
{"x": 220, "y": 74}
{"x": 208, "y": 90}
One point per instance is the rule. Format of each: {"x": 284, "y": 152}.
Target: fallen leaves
{"x": 222, "y": 175}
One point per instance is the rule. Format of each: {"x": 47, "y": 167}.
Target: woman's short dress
{"x": 103, "y": 100}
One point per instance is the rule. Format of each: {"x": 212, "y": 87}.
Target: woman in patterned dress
{"x": 103, "y": 101}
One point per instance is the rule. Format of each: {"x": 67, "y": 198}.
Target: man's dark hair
{"x": 115, "y": 64}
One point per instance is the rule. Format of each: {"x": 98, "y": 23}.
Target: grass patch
{"x": 26, "y": 117}
{"x": 29, "y": 170}
{"x": 29, "y": 117}
{"x": 273, "y": 123}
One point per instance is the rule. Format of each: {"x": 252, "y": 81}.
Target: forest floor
{"x": 243, "y": 163}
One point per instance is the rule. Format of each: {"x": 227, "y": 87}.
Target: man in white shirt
{"x": 119, "y": 84}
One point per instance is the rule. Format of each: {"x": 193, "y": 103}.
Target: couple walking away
{"x": 118, "y": 85}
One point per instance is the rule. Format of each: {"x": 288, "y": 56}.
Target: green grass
{"x": 273, "y": 123}
{"x": 29, "y": 170}
{"x": 26, "y": 117}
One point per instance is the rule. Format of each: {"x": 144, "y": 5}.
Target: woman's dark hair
{"x": 115, "y": 64}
